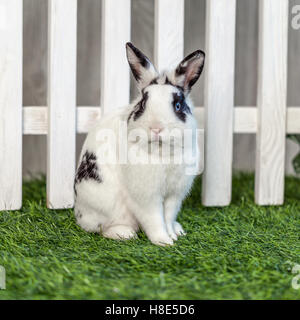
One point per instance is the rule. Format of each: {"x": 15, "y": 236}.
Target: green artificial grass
{"x": 242, "y": 251}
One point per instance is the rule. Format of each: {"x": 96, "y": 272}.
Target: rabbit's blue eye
{"x": 177, "y": 106}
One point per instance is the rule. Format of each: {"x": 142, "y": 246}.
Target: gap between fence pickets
{"x": 245, "y": 119}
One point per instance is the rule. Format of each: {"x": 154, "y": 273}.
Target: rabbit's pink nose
{"x": 156, "y": 130}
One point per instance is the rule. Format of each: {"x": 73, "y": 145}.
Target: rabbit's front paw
{"x": 120, "y": 232}
{"x": 171, "y": 232}
{"x": 162, "y": 240}
{"x": 178, "y": 229}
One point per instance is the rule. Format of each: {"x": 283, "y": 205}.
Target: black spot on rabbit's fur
{"x": 139, "y": 108}
{"x": 154, "y": 81}
{"x": 88, "y": 169}
{"x": 184, "y": 108}
{"x": 167, "y": 81}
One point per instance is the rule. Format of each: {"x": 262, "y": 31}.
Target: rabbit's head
{"x": 163, "y": 103}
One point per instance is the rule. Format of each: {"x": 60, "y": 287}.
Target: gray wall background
{"x": 88, "y": 65}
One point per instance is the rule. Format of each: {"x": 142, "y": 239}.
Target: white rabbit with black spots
{"x": 116, "y": 198}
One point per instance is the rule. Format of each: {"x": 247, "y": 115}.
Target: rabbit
{"x": 117, "y": 199}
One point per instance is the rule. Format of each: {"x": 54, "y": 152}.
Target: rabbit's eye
{"x": 177, "y": 106}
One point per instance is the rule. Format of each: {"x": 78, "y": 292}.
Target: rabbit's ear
{"x": 141, "y": 67}
{"x": 189, "y": 70}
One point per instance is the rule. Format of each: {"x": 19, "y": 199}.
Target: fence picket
{"x": 271, "y": 102}
{"x": 61, "y": 103}
{"x": 11, "y": 14}
{"x": 219, "y": 101}
{"x": 169, "y": 33}
{"x": 115, "y": 81}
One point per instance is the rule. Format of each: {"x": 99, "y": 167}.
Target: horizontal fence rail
{"x": 244, "y": 119}
{"x": 217, "y": 120}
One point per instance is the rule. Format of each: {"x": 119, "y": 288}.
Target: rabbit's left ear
{"x": 141, "y": 67}
{"x": 189, "y": 70}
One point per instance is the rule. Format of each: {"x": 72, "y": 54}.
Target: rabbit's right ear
{"x": 141, "y": 67}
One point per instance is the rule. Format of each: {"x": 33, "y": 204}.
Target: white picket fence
{"x": 61, "y": 119}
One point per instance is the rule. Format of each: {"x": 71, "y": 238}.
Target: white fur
{"x": 133, "y": 195}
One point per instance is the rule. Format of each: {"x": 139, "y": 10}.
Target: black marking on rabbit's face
{"x": 163, "y": 79}
{"x": 88, "y": 169}
{"x": 154, "y": 81}
{"x": 139, "y": 108}
{"x": 180, "y": 107}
